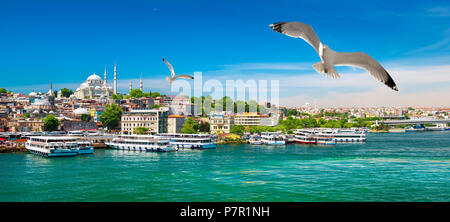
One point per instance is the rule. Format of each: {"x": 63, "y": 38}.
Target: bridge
{"x": 414, "y": 121}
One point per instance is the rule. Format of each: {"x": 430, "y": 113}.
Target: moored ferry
{"x": 288, "y": 138}
{"x": 415, "y": 128}
{"x": 324, "y": 139}
{"x": 85, "y": 147}
{"x": 52, "y": 146}
{"x": 189, "y": 141}
{"x": 255, "y": 140}
{"x": 305, "y": 136}
{"x": 149, "y": 143}
{"x": 269, "y": 138}
{"x": 346, "y": 135}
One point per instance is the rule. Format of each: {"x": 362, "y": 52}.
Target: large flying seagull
{"x": 332, "y": 58}
{"x": 173, "y": 76}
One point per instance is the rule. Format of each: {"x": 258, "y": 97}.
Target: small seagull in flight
{"x": 173, "y": 76}
{"x": 332, "y": 58}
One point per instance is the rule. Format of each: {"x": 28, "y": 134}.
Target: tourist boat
{"x": 324, "y": 138}
{"x": 288, "y": 138}
{"x": 255, "y": 140}
{"x": 52, "y": 146}
{"x": 346, "y": 135}
{"x": 189, "y": 141}
{"x": 397, "y": 130}
{"x": 305, "y": 136}
{"x": 415, "y": 128}
{"x": 438, "y": 127}
{"x": 85, "y": 147}
{"x": 272, "y": 139}
{"x": 149, "y": 143}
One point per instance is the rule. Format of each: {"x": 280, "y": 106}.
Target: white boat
{"x": 346, "y": 135}
{"x": 85, "y": 147}
{"x": 288, "y": 138}
{"x": 305, "y": 136}
{"x": 397, "y": 130}
{"x": 52, "y": 146}
{"x": 149, "y": 143}
{"x": 415, "y": 128}
{"x": 438, "y": 127}
{"x": 189, "y": 141}
{"x": 324, "y": 138}
{"x": 269, "y": 138}
{"x": 255, "y": 140}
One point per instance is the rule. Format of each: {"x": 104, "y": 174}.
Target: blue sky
{"x": 66, "y": 41}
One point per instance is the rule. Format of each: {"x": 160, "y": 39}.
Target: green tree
{"x": 237, "y": 129}
{"x": 204, "y": 127}
{"x": 85, "y": 117}
{"x": 155, "y": 106}
{"x": 190, "y": 126}
{"x": 292, "y": 112}
{"x": 155, "y": 94}
{"x": 136, "y": 93}
{"x": 117, "y": 96}
{"x": 140, "y": 130}
{"x": 26, "y": 115}
{"x": 111, "y": 116}
{"x": 51, "y": 123}
{"x": 66, "y": 92}
{"x": 3, "y": 90}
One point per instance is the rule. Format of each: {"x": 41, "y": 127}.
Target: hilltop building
{"x": 93, "y": 88}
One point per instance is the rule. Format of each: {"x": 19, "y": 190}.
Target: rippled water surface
{"x": 388, "y": 167}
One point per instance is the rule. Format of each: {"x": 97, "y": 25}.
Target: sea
{"x": 389, "y": 167}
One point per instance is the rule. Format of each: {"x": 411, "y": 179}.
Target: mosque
{"x": 96, "y": 88}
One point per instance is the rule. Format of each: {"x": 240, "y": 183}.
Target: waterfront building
{"x": 175, "y": 123}
{"x": 153, "y": 119}
{"x": 93, "y": 88}
{"x": 220, "y": 123}
{"x": 250, "y": 119}
{"x": 21, "y": 125}
{"x": 178, "y": 105}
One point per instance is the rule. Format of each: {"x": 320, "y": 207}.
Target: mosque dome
{"x": 41, "y": 102}
{"x": 84, "y": 85}
{"x": 32, "y": 94}
{"x": 80, "y": 111}
{"x": 94, "y": 77}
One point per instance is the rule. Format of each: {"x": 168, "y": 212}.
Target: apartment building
{"x": 153, "y": 119}
{"x": 220, "y": 123}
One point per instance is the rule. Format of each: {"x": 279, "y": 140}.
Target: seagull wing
{"x": 183, "y": 76}
{"x": 366, "y": 62}
{"x": 298, "y": 30}
{"x": 170, "y": 67}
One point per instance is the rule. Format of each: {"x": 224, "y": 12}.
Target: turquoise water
{"x": 389, "y": 167}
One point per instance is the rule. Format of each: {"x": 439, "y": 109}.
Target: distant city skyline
{"x": 65, "y": 42}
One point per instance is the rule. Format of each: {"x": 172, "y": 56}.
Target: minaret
{"x": 104, "y": 81}
{"x": 131, "y": 86}
{"x": 50, "y": 91}
{"x": 105, "y": 86}
{"x": 115, "y": 79}
{"x": 141, "y": 85}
